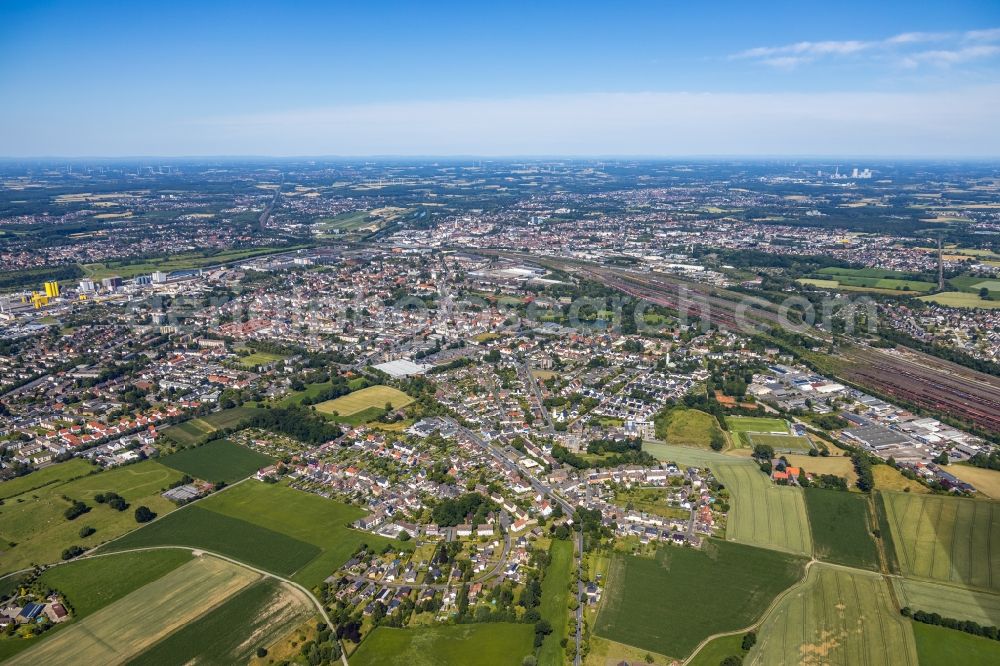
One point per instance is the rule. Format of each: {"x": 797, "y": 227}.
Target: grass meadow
{"x": 494, "y": 644}
{"x": 842, "y": 531}
{"x": 218, "y": 460}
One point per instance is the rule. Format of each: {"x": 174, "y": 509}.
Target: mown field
{"x": 961, "y": 299}
{"x": 218, "y": 460}
{"x": 762, "y": 513}
{"x": 780, "y": 443}
{"x": 670, "y": 602}
{"x": 555, "y": 597}
{"x": 131, "y": 624}
{"x": 194, "y": 430}
{"x": 939, "y": 646}
{"x": 58, "y": 473}
{"x": 35, "y": 520}
{"x": 945, "y": 538}
{"x": 91, "y": 584}
{"x": 986, "y": 481}
{"x": 949, "y": 600}
{"x": 756, "y": 424}
{"x": 373, "y": 397}
{"x": 889, "y": 478}
{"x": 270, "y": 526}
{"x": 231, "y": 633}
{"x": 260, "y": 358}
{"x": 837, "y": 617}
{"x": 687, "y": 427}
{"x": 495, "y": 644}
{"x": 841, "y": 528}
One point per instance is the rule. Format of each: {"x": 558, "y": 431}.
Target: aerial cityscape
{"x": 419, "y": 359}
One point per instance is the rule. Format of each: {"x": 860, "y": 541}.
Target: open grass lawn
{"x": 196, "y": 527}
{"x": 687, "y": 427}
{"x": 756, "y": 424}
{"x": 780, "y": 443}
{"x": 986, "y": 481}
{"x": 837, "y": 465}
{"x": 141, "y": 618}
{"x": 310, "y": 391}
{"x": 93, "y": 583}
{"x": 367, "y": 398}
{"x": 949, "y": 601}
{"x": 555, "y": 600}
{"x": 718, "y": 649}
{"x": 232, "y": 632}
{"x": 841, "y": 528}
{"x": 218, "y": 460}
{"x": 650, "y": 500}
{"x": 36, "y": 523}
{"x": 670, "y": 602}
{"x": 194, "y": 430}
{"x": 940, "y": 646}
{"x": 58, "y": 473}
{"x": 762, "y": 513}
{"x": 495, "y": 644}
{"x": 890, "y": 478}
{"x": 836, "y": 617}
{"x": 948, "y": 539}
{"x": 260, "y": 358}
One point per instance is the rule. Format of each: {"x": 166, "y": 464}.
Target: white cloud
{"x": 900, "y": 46}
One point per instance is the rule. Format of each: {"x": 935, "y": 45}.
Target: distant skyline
{"x": 656, "y": 79}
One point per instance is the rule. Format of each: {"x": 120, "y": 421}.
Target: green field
{"x": 685, "y": 455}
{"x": 555, "y": 597}
{"x": 762, "y": 513}
{"x": 230, "y": 634}
{"x": 194, "y": 430}
{"x": 687, "y": 427}
{"x": 841, "y": 528}
{"x": 756, "y": 424}
{"x": 196, "y": 527}
{"x": 494, "y": 644}
{"x": 718, "y": 649}
{"x": 780, "y": 443}
{"x": 947, "y": 539}
{"x": 837, "y": 617}
{"x": 350, "y": 221}
{"x": 940, "y": 646}
{"x": 949, "y": 601}
{"x": 670, "y": 602}
{"x": 176, "y": 262}
{"x": 58, "y": 473}
{"x": 270, "y": 526}
{"x": 35, "y": 520}
{"x": 875, "y": 279}
{"x": 123, "y": 629}
{"x": 961, "y": 299}
{"x": 91, "y": 584}
{"x": 218, "y": 460}
{"x": 260, "y": 358}
{"x": 310, "y": 391}
{"x": 373, "y": 397}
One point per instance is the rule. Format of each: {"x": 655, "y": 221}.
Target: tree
{"x": 143, "y": 514}
{"x": 403, "y": 536}
{"x": 749, "y": 640}
{"x": 732, "y": 661}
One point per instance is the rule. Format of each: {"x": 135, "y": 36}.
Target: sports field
{"x": 780, "y": 443}
{"x": 125, "y": 628}
{"x": 837, "y": 617}
{"x": 494, "y": 644}
{"x": 194, "y": 430}
{"x": 367, "y": 398}
{"x": 945, "y": 538}
{"x": 762, "y": 513}
{"x": 687, "y": 427}
{"x": 35, "y": 520}
{"x": 218, "y": 460}
{"x": 270, "y": 526}
{"x": 555, "y": 598}
{"x": 949, "y": 601}
{"x": 670, "y": 602}
{"x": 254, "y": 617}
{"x": 940, "y": 646}
{"x": 756, "y": 424}
{"x": 841, "y": 527}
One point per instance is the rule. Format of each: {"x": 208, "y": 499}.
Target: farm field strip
{"x": 947, "y": 539}
{"x": 764, "y": 514}
{"x": 496, "y": 644}
{"x": 837, "y": 616}
{"x": 840, "y": 525}
{"x": 133, "y": 623}
{"x": 949, "y": 600}
{"x": 218, "y": 460}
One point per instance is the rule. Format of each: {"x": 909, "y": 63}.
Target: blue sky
{"x": 545, "y": 78}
